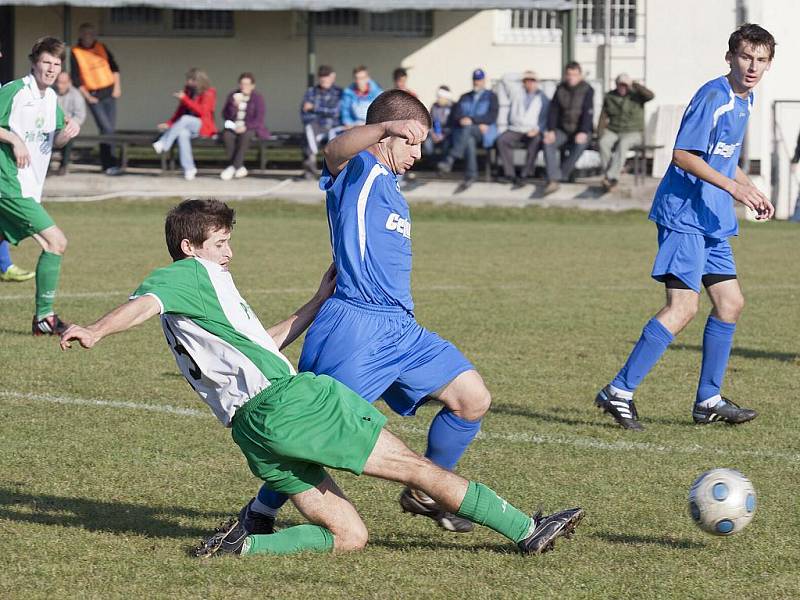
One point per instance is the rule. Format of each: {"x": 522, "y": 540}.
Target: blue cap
{"x": 478, "y": 74}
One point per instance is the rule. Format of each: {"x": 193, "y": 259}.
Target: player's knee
{"x": 351, "y": 539}
{"x": 731, "y": 308}
{"x": 56, "y": 242}
{"x": 477, "y": 405}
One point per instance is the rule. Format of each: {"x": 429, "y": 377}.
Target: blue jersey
{"x": 713, "y": 125}
{"x": 370, "y": 231}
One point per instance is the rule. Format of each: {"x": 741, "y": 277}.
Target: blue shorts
{"x": 380, "y": 351}
{"x": 689, "y": 257}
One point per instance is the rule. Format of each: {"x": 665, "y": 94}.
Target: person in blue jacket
{"x": 357, "y": 97}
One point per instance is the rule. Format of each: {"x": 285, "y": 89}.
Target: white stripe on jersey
{"x": 377, "y": 169}
{"x": 724, "y": 108}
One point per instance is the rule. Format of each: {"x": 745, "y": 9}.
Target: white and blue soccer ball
{"x": 722, "y": 501}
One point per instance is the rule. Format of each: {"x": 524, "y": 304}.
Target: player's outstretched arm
{"x": 120, "y": 319}
{"x": 288, "y": 330}
{"x": 346, "y": 145}
{"x": 742, "y": 189}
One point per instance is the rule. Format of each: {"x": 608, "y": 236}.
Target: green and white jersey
{"x": 220, "y": 346}
{"x": 35, "y": 118}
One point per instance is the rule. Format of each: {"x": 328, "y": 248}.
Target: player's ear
{"x": 187, "y": 248}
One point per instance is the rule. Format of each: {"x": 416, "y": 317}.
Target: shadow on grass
{"x": 745, "y": 352}
{"x": 553, "y": 416}
{"x": 649, "y": 540}
{"x": 408, "y": 541}
{"x": 17, "y": 332}
{"x": 102, "y": 515}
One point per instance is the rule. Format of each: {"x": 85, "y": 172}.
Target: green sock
{"x": 483, "y": 506}
{"x": 48, "y": 270}
{"x": 289, "y": 541}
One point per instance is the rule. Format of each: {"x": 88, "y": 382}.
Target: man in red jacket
{"x": 193, "y": 117}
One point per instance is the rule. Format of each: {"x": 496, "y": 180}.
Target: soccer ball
{"x": 722, "y": 501}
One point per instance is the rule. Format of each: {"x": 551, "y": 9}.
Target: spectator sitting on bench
{"x": 74, "y": 108}
{"x": 320, "y": 113}
{"x": 569, "y": 123}
{"x": 474, "y": 120}
{"x": 244, "y": 119}
{"x": 357, "y": 97}
{"x": 440, "y": 118}
{"x": 527, "y": 119}
{"x": 621, "y": 126}
{"x": 194, "y": 117}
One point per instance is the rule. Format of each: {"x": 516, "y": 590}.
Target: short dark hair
{"x": 247, "y": 75}
{"x": 573, "y": 64}
{"x": 49, "y": 45}
{"x": 397, "y": 105}
{"x": 752, "y": 34}
{"x": 324, "y": 70}
{"x": 359, "y": 68}
{"x": 398, "y": 73}
{"x": 195, "y": 220}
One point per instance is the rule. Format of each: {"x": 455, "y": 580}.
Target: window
{"x": 527, "y": 26}
{"x": 346, "y": 22}
{"x": 147, "y": 21}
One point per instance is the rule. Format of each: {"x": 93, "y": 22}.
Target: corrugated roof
{"x": 315, "y": 5}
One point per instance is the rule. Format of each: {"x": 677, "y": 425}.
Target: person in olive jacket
{"x": 621, "y": 125}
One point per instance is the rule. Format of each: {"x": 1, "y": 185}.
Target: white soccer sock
{"x": 263, "y": 509}
{"x": 624, "y": 394}
{"x": 710, "y": 402}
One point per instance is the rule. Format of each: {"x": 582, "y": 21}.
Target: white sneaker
{"x": 189, "y": 174}
{"x": 158, "y": 146}
{"x": 227, "y": 174}
{"x": 240, "y": 172}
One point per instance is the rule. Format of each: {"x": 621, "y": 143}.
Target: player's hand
{"x": 71, "y": 130}
{"x": 410, "y": 129}
{"x": 178, "y": 95}
{"x": 581, "y": 138}
{"x": 91, "y": 99}
{"x": 21, "y": 154}
{"x": 465, "y": 121}
{"x": 328, "y": 284}
{"x": 116, "y": 92}
{"x": 483, "y": 128}
{"x": 162, "y": 126}
{"x": 80, "y": 334}
{"x": 549, "y": 137}
{"x": 307, "y": 106}
{"x": 532, "y": 133}
{"x": 754, "y": 199}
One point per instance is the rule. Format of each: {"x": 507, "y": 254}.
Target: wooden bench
{"x": 643, "y": 152}
{"x": 124, "y": 140}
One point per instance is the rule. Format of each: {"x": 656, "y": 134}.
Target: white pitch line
{"x": 522, "y": 437}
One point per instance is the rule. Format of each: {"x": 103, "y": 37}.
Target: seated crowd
{"x": 562, "y": 126}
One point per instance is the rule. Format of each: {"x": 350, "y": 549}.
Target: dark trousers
{"x": 66, "y": 150}
{"x": 512, "y": 139}
{"x": 236, "y": 144}
{"x": 552, "y": 158}
{"x": 465, "y": 145}
{"x": 105, "y": 115}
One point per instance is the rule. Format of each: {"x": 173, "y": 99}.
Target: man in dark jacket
{"x": 621, "y": 125}
{"x": 474, "y": 121}
{"x": 569, "y": 123}
{"x": 320, "y": 112}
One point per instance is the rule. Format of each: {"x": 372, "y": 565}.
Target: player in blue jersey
{"x": 693, "y": 209}
{"x": 366, "y": 335}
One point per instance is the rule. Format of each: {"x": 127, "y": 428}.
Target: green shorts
{"x": 299, "y": 425}
{"x": 21, "y": 218}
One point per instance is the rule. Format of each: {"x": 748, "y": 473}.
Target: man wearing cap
{"x": 621, "y": 125}
{"x": 526, "y": 121}
{"x": 474, "y": 119}
{"x": 569, "y": 123}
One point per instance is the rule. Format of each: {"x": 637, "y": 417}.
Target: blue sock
{"x": 273, "y": 500}
{"x": 5, "y": 256}
{"x": 448, "y": 438}
{"x": 717, "y": 342}
{"x": 645, "y": 354}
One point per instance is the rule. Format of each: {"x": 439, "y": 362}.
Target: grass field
{"x": 101, "y": 497}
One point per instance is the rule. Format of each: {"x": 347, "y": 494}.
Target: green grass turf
{"x": 97, "y": 501}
